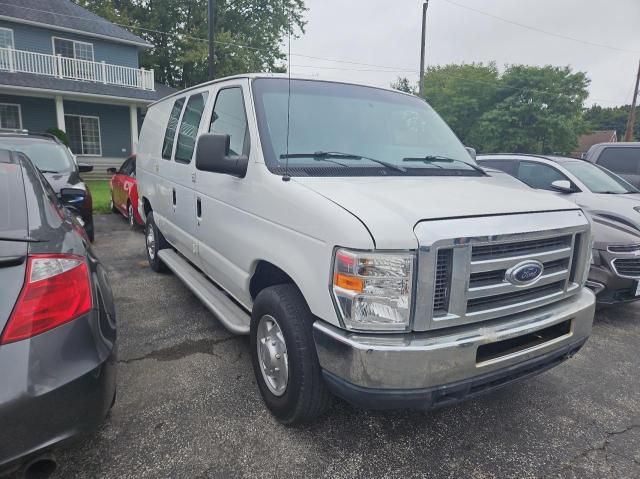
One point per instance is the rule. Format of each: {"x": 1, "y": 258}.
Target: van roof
{"x": 284, "y": 76}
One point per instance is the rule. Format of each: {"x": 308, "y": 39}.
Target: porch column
{"x": 60, "y": 113}
{"x": 133, "y": 115}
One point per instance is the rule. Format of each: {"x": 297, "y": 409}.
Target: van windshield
{"x": 338, "y": 129}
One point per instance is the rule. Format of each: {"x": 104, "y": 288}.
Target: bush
{"x": 61, "y": 135}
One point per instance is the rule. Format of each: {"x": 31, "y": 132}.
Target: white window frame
{"x": 53, "y": 47}
{"x": 13, "y": 40}
{"x": 81, "y": 140}
{"x": 19, "y": 112}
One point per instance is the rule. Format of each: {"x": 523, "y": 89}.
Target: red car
{"x": 124, "y": 191}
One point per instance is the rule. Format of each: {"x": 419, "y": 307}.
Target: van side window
{"x": 170, "y": 133}
{"x": 229, "y": 118}
{"x": 621, "y": 160}
{"x": 189, "y": 127}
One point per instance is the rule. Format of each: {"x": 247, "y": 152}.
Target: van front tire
{"x": 281, "y": 336}
{"x": 154, "y": 242}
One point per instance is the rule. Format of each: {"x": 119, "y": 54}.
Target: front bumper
{"x": 438, "y": 367}
{"x": 610, "y": 288}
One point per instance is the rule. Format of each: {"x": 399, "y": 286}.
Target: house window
{"x": 6, "y": 41}
{"x": 73, "y": 49}
{"x": 84, "y": 134}
{"x": 6, "y": 38}
{"x": 10, "y": 116}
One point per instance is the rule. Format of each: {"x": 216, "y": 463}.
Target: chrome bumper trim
{"x": 430, "y": 359}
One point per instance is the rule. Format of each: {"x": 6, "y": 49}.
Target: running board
{"x": 232, "y": 316}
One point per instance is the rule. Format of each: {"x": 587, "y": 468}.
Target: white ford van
{"x": 348, "y": 231}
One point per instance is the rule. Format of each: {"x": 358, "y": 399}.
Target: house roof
{"x": 28, "y": 82}
{"x": 601, "y": 136}
{"x": 67, "y": 16}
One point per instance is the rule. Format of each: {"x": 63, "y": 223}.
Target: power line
{"x": 541, "y": 30}
{"x": 374, "y": 67}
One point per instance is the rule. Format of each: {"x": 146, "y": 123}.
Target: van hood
{"x": 390, "y": 207}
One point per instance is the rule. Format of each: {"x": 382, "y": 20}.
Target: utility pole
{"x": 631, "y": 123}
{"x": 422, "y": 48}
{"x": 212, "y": 32}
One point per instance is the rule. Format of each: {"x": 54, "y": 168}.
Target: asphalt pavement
{"x": 188, "y": 405}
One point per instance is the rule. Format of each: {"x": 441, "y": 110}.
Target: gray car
{"x": 57, "y": 323}
{"x": 612, "y": 203}
{"x": 621, "y": 158}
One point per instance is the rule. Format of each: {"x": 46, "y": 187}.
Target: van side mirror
{"x": 471, "y": 151}
{"x": 84, "y": 168}
{"x": 563, "y": 186}
{"x": 212, "y": 154}
{"x": 111, "y": 171}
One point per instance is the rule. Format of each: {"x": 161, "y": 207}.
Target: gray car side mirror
{"x": 563, "y": 186}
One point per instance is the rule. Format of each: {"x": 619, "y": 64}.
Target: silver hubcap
{"x": 272, "y": 355}
{"x": 151, "y": 242}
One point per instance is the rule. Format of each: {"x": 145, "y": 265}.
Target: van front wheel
{"x": 284, "y": 357}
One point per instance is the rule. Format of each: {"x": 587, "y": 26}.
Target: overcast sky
{"x": 386, "y": 33}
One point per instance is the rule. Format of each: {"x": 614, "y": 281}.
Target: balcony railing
{"x": 74, "y": 69}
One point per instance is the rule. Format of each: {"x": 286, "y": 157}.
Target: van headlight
{"x": 373, "y": 291}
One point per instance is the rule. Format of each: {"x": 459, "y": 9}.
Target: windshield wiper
{"x": 324, "y": 155}
{"x": 48, "y": 171}
{"x": 431, "y": 159}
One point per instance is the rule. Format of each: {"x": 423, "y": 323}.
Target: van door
{"x": 181, "y": 172}
{"x": 220, "y": 231}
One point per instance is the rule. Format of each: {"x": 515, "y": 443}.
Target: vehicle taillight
{"x": 56, "y": 290}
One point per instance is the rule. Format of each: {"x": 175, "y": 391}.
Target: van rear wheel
{"x": 154, "y": 242}
{"x": 284, "y": 356}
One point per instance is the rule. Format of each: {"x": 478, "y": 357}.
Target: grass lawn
{"x": 100, "y": 194}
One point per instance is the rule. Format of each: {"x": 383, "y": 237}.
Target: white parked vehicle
{"x": 351, "y": 234}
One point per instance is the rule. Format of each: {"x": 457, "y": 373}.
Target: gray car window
{"x": 539, "y": 175}
{"x": 508, "y": 166}
{"x": 621, "y": 160}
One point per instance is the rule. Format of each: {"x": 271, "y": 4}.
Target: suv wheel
{"x": 284, "y": 357}
{"x": 154, "y": 242}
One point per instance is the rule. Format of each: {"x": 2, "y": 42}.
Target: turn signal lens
{"x": 57, "y": 290}
{"x": 373, "y": 290}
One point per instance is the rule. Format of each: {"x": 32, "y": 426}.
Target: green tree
{"x": 537, "y": 110}
{"x": 611, "y": 118}
{"x": 250, "y": 34}
{"x": 461, "y": 94}
{"x": 403, "y": 84}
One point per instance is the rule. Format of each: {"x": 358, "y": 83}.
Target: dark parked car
{"x": 621, "y": 158}
{"x": 59, "y": 167}
{"x": 57, "y": 322}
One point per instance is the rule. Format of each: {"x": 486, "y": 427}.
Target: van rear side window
{"x": 622, "y": 160}
{"x": 170, "y": 133}
{"x": 189, "y": 127}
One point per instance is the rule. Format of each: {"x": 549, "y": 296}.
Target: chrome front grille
{"x": 463, "y": 279}
{"x": 627, "y": 267}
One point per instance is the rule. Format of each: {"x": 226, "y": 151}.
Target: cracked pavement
{"x": 188, "y": 405}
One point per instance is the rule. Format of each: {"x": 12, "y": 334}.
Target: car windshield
{"x": 338, "y": 129}
{"x": 47, "y": 155}
{"x": 598, "y": 179}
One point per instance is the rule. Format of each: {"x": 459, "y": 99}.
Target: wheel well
{"x": 265, "y": 275}
{"x": 147, "y": 206}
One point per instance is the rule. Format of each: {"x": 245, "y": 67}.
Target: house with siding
{"x": 64, "y": 67}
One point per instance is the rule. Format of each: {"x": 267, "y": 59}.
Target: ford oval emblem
{"x": 525, "y": 273}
